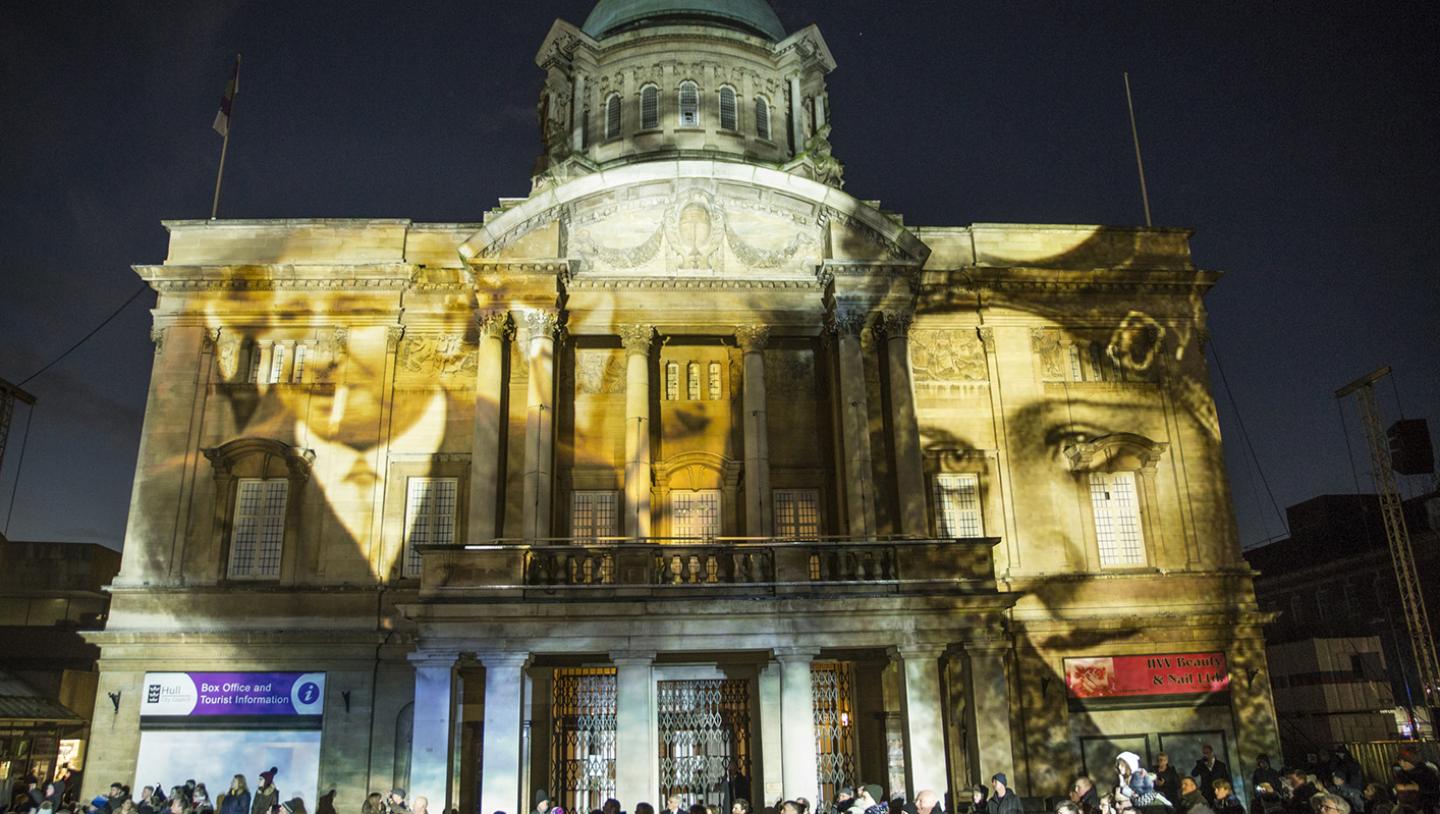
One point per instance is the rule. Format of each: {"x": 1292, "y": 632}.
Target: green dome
{"x": 751, "y": 16}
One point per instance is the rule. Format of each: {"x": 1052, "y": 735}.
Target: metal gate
{"x": 582, "y": 746}
{"x": 704, "y": 740}
{"x": 834, "y": 727}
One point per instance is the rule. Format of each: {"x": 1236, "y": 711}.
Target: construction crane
{"x": 1392, "y": 511}
{"x": 9, "y": 394}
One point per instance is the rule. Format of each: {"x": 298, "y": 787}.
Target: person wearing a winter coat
{"x": 236, "y": 799}
{"x": 1167, "y": 778}
{"x": 1004, "y": 800}
{"x": 1134, "y": 787}
{"x": 267, "y": 794}
{"x": 1225, "y": 800}
{"x": 1207, "y": 770}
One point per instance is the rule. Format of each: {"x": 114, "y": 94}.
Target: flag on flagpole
{"x": 222, "y": 117}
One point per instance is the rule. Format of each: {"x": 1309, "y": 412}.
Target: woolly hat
{"x": 269, "y": 777}
{"x": 541, "y": 796}
{"x": 875, "y": 791}
{"x": 1130, "y": 759}
{"x": 1004, "y": 781}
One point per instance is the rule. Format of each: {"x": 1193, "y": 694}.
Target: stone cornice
{"x": 272, "y": 277}
{"x": 706, "y": 283}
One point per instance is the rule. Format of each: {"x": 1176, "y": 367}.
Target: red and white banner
{"x": 1132, "y": 676}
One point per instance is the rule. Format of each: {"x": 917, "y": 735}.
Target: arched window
{"x": 729, "y": 116}
{"x": 689, "y": 104}
{"x": 672, "y": 381}
{"x": 715, "y": 393}
{"x": 258, "y": 483}
{"x": 649, "y": 107}
{"x": 612, "y": 116}
{"x": 762, "y": 117}
{"x": 692, "y": 383}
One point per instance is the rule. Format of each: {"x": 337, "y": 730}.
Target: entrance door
{"x": 704, "y": 740}
{"x": 582, "y": 744}
{"x": 695, "y": 513}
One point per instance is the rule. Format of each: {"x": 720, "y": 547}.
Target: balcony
{"x": 689, "y": 568}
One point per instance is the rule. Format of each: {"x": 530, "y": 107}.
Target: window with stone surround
{"x": 729, "y": 112}
{"x": 258, "y": 528}
{"x": 612, "y": 116}
{"x": 689, "y": 104}
{"x": 593, "y": 514}
{"x": 672, "y": 381}
{"x": 277, "y": 363}
{"x": 716, "y": 388}
{"x": 297, "y": 376}
{"x": 957, "y": 505}
{"x": 692, "y": 381}
{"x": 797, "y": 513}
{"x": 649, "y": 107}
{"x": 762, "y": 117}
{"x": 1116, "y": 505}
{"x": 695, "y": 513}
{"x": 429, "y": 517}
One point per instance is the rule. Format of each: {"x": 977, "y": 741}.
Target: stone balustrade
{"x": 660, "y": 567}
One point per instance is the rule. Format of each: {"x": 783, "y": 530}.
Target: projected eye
{"x": 1064, "y": 436}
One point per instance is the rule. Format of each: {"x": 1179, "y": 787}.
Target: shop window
{"x": 1116, "y": 505}
{"x": 429, "y": 517}
{"x": 689, "y": 104}
{"x": 258, "y": 529}
{"x": 695, "y": 513}
{"x": 612, "y": 117}
{"x": 593, "y": 514}
{"x": 797, "y": 513}
{"x": 762, "y": 117}
{"x": 729, "y": 115}
{"x": 649, "y": 107}
{"x": 715, "y": 385}
{"x": 957, "y": 506}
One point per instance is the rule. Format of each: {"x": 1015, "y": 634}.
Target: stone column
{"x": 909, "y": 465}
{"x": 636, "y": 339}
{"x": 577, "y": 114}
{"x": 859, "y": 478}
{"x": 924, "y": 718}
{"x": 500, "y": 788}
{"x": 538, "y": 328}
{"x": 988, "y": 712}
{"x": 635, "y": 764}
{"x": 758, "y": 522}
{"x": 797, "y": 116}
{"x": 772, "y": 766}
{"x": 797, "y": 714}
{"x": 436, "y": 687}
{"x": 486, "y": 473}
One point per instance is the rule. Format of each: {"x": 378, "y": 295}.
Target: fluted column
{"x": 634, "y": 730}
{"x": 797, "y": 711}
{"x": 538, "y": 328}
{"x": 436, "y": 687}
{"x": 909, "y": 465}
{"x": 485, "y": 470}
{"x": 923, "y": 717}
{"x": 758, "y": 521}
{"x": 502, "y": 741}
{"x": 859, "y": 480}
{"x": 636, "y": 339}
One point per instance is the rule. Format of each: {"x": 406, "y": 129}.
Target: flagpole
{"x": 225, "y": 146}
{"x": 1139, "y": 163}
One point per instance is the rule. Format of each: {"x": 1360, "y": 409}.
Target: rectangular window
{"x": 259, "y": 528}
{"x": 277, "y": 363}
{"x": 715, "y": 386}
{"x": 253, "y": 374}
{"x": 695, "y": 513}
{"x": 672, "y": 381}
{"x": 298, "y": 376}
{"x": 692, "y": 381}
{"x": 957, "y": 506}
{"x": 593, "y": 515}
{"x": 1117, "y": 518}
{"x": 797, "y": 513}
{"x": 429, "y": 517}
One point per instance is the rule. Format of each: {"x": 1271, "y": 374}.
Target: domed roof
{"x": 753, "y": 16}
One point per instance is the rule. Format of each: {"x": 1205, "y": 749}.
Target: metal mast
{"x": 9, "y": 394}
{"x": 1412, "y": 602}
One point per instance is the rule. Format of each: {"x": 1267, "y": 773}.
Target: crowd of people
{"x": 1338, "y": 787}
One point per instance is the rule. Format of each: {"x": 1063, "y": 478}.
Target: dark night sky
{"x": 1298, "y": 139}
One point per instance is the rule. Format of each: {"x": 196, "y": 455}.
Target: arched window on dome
{"x": 729, "y": 114}
{"x": 689, "y": 104}
{"x": 649, "y": 108}
{"x": 762, "y": 117}
{"x": 612, "y": 116}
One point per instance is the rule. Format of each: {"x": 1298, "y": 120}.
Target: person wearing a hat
{"x": 294, "y": 805}
{"x": 542, "y": 802}
{"x": 1002, "y": 799}
{"x": 266, "y": 796}
{"x": 395, "y": 803}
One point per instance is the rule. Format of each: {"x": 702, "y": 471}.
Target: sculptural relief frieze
{"x": 435, "y": 356}
{"x": 599, "y": 372}
{"x": 947, "y": 356}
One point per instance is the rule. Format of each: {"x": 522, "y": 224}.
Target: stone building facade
{"x": 687, "y": 473}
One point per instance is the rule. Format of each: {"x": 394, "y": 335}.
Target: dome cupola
{"x": 751, "y": 16}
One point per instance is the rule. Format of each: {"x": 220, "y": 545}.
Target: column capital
{"x": 434, "y": 658}
{"x": 501, "y": 659}
{"x": 847, "y": 320}
{"x": 637, "y": 339}
{"x": 538, "y": 323}
{"x": 752, "y": 338}
{"x": 620, "y": 657}
{"x": 393, "y": 335}
{"x": 895, "y": 324}
{"x": 493, "y": 324}
{"x": 789, "y": 655}
{"x": 918, "y": 650}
